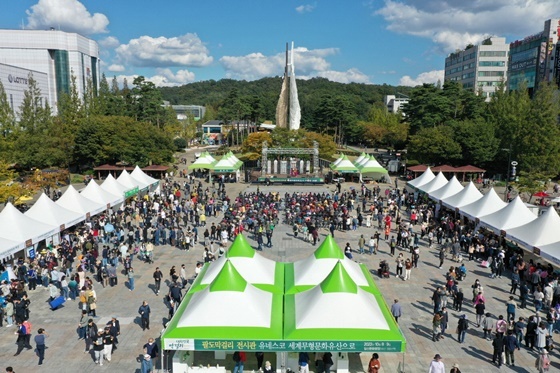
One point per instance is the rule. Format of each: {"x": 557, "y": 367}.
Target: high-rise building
{"x": 532, "y": 59}
{"x": 57, "y": 54}
{"x": 479, "y": 67}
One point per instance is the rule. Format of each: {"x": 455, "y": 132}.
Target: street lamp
{"x": 513, "y": 174}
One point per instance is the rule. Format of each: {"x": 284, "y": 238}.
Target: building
{"x": 57, "y": 54}
{"x": 395, "y": 102}
{"x": 532, "y": 59}
{"x": 15, "y": 80}
{"x": 479, "y": 67}
{"x": 183, "y": 111}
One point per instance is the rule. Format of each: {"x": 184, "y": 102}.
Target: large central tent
{"x": 283, "y": 320}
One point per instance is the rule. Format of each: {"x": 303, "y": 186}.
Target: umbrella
{"x": 541, "y": 194}
{"x": 109, "y": 228}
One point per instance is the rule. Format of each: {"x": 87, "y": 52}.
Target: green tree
{"x": 478, "y": 141}
{"x": 148, "y": 102}
{"x": 7, "y": 122}
{"x": 252, "y": 146}
{"x": 335, "y": 115}
{"x": 383, "y": 128}
{"x": 434, "y": 145}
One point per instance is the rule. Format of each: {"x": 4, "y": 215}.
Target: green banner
{"x": 131, "y": 192}
{"x": 271, "y": 345}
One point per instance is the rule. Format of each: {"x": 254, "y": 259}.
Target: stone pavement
{"x": 65, "y": 352}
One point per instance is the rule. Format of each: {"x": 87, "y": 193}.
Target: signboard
{"x": 28, "y": 243}
{"x": 279, "y": 346}
{"x": 131, "y": 192}
{"x": 525, "y": 64}
{"x": 31, "y": 252}
{"x": 536, "y": 251}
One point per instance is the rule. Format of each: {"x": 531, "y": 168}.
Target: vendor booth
{"x": 452, "y": 187}
{"x": 236, "y": 304}
{"x": 46, "y": 210}
{"x": 74, "y": 201}
{"x": 468, "y": 195}
{"x": 514, "y": 215}
{"x": 370, "y": 168}
{"x": 421, "y": 180}
{"x": 486, "y": 205}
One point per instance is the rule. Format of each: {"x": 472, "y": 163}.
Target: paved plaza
{"x": 66, "y": 354}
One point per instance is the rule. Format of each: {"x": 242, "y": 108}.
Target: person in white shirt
{"x": 436, "y": 366}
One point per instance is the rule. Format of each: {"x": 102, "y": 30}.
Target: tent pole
{"x": 162, "y": 360}
{"x": 402, "y": 371}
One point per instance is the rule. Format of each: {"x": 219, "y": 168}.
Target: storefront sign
{"x": 130, "y": 193}
{"x": 179, "y": 344}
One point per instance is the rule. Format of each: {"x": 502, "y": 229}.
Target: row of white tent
{"x": 513, "y": 219}
{"x": 47, "y": 218}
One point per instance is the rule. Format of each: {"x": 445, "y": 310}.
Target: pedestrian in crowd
{"x": 458, "y": 300}
{"x": 147, "y": 365}
{"x": 441, "y": 257}
{"x": 21, "y": 333}
{"x": 479, "y": 309}
{"x": 98, "y": 347}
{"x": 40, "y": 344}
{"x": 487, "y": 325}
{"x": 542, "y": 333}
{"x": 107, "y": 344}
{"x": 543, "y": 362}
{"x": 268, "y": 368}
{"x": 303, "y": 362}
{"x": 501, "y": 326}
{"x": 498, "y": 345}
{"x": 91, "y": 334}
{"x": 239, "y": 358}
{"x": 510, "y": 344}
{"x": 151, "y": 348}
{"x": 144, "y": 312}
{"x": 259, "y": 355}
{"x": 372, "y": 246}
{"x": 131, "y": 279}
{"x": 462, "y": 327}
{"x": 82, "y": 325}
{"x": 531, "y": 333}
{"x": 158, "y": 275}
{"x": 396, "y": 310}
{"x": 407, "y": 269}
{"x": 511, "y": 306}
{"x": 455, "y": 369}
{"x": 437, "y": 366}
{"x": 400, "y": 265}
{"x": 361, "y": 244}
{"x": 374, "y": 364}
{"x": 444, "y": 321}
{"x": 327, "y": 362}
{"x": 436, "y": 327}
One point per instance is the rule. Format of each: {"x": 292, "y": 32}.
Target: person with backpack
{"x": 28, "y": 327}
{"x": 462, "y": 327}
{"x": 511, "y": 306}
{"x": 239, "y": 358}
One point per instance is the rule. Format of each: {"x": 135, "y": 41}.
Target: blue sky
{"x": 175, "y": 42}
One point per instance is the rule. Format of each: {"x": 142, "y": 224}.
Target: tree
{"x": 35, "y": 114}
{"x": 477, "y": 140}
{"x": 434, "y": 146}
{"x": 384, "y": 128}
{"x": 147, "y": 103}
{"x": 7, "y": 122}
{"x": 10, "y": 187}
{"x": 234, "y": 109}
{"x": 335, "y": 115}
{"x": 531, "y": 182}
{"x": 253, "y": 144}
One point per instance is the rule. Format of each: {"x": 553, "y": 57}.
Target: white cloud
{"x": 431, "y": 77}
{"x": 163, "y": 78}
{"x": 116, "y": 68}
{"x": 452, "y": 24}
{"x": 109, "y": 42}
{"x": 306, "y": 8}
{"x": 146, "y": 51}
{"x": 66, "y": 15}
{"x": 308, "y": 63}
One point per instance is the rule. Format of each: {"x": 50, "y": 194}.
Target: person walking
{"x": 303, "y": 362}
{"x": 462, "y": 327}
{"x": 158, "y": 275}
{"x": 361, "y": 243}
{"x": 480, "y": 308}
{"x": 487, "y": 326}
{"x": 441, "y": 257}
{"x": 437, "y": 366}
{"x": 107, "y": 344}
{"x": 407, "y": 269}
{"x": 510, "y": 343}
{"x": 396, "y": 310}
{"x": 98, "y": 347}
{"x": 498, "y": 344}
{"x": 511, "y": 307}
{"x": 372, "y": 246}
{"x": 400, "y": 265}
{"x": 374, "y": 364}
{"x": 146, "y": 366}
{"x": 543, "y": 362}
{"x": 144, "y": 312}
{"x": 40, "y": 344}
{"x": 21, "y": 333}
{"x": 131, "y": 279}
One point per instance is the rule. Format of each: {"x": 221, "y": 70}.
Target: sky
{"x": 175, "y": 42}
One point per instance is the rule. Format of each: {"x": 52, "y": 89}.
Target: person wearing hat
{"x": 543, "y": 361}
{"x": 437, "y": 366}
{"x": 455, "y": 369}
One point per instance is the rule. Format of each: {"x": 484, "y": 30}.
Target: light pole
{"x": 507, "y": 173}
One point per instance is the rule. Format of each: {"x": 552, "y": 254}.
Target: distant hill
{"x": 311, "y": 92}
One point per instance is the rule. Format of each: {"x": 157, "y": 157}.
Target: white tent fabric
{"x": 438, "y": 182}
{"x": 311, "y": 305}
{"x": 468, "y": 195}
{"x": 345, "y": 163}
{"x": 452, "y": 187}
{"x": 127, "y": 180}
{"x": 551, "y": 252}
{"x": 46, "y": 210}
{"x": 515, "y": 214}
{"x": 97, "y": 194}
{"x": 74, "y": 201}
{"x": 255, "y": 270}
{"x": 112, "y": 186}
{"x": 9, "y": 247}
{"x": 360, "y": 158}
{"x": 423, "y": 179}
{"x": 15, "y": 226}
{"x": 140, "y": 175}
{"x": 539, "y": 232}
{"x": 486, "y": 205}
{"x": 335, "y": 163}
{"x": 311, "y": 271}
{"x": 250, "y": 308}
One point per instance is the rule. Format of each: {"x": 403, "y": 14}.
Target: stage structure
{"x": 290, "y": 151}
{"x": 288, "y": 111}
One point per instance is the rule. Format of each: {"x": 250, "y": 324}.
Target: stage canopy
{"x": 539, "y": 232}
{"x": 514, "y": 215}
{"x": 344, "y": 166}
{"x": 47, "y": 211}
{"x": 421, "y": 180}
{"x": 486, "y": 205}
{"x": 468, "y": 195}
{"x": 452, "y": 187}
{"x": 224, "y": 311}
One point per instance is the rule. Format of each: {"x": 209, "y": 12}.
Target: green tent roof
{"x": 338, "y": 281}
{"x": 240, "y": 248}
{"x": 228, "y": 279}
{"x": 328, "y": 249}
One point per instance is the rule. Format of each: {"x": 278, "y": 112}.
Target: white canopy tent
{"x": 468, "y": 195}
{"x": 360, "y": 158}
{"x": 339, "y": 159}
{"x": 551, "y": 252}
{"x": 438, "y": 182}
{"x": 46, "y": 210}
{"x": 97, "y": 194}
{"x": 539, "y": 232}
{"x": 140, "y": 175}
{"x": 9, "y": 247}
{"x": 423, "y": 179}
{"x": 74, "y": 201}
{"x": 112, "y": 186}
{"x": 128, "y": 181}
{"x": 452, "y": 187}
{"x": 18, "y": 227}
{"x": 486, "y": 205}
{"x": 515, "y": 214}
